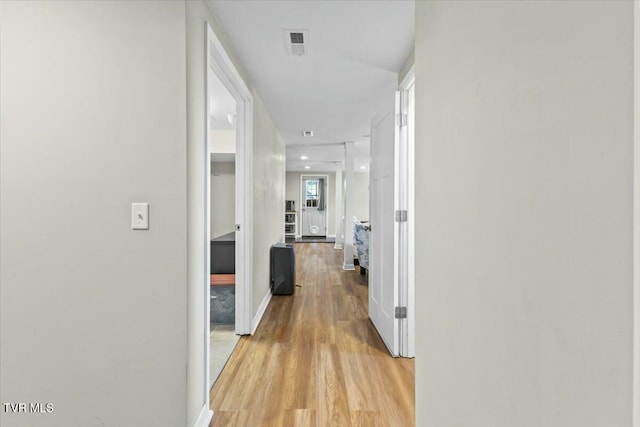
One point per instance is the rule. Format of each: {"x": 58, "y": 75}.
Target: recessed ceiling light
{"x": 307, "y": 167}
{"x": 303, "y": 157}
{"x": 307, "y": 133}
{"x": 363, "y": 167}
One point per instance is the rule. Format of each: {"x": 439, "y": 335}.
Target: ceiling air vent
{"x": 297, "y": 42}
{"x": 297, "y": 38}
{"x": 307, "y": 133}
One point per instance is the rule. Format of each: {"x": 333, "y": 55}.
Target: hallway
{"x": 316, "y": 359}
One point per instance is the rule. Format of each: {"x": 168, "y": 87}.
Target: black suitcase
{"x": 283, "y": 269}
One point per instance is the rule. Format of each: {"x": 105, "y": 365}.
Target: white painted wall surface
{"x": 268, "y": 201}
{"x": 524, "y": 193}
{"x": 222, "y": 140}
{"x": 361, "y": 195}
{"x": 406, "y": 67}
{"x": 93, "y": 314}
{"x": 223, "y": 198}
{"x": 292, "y": 188}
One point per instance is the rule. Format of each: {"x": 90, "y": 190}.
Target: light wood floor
{"x": 316, "y": 359}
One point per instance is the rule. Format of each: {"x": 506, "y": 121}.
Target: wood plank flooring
{"x": 316, "y": 359}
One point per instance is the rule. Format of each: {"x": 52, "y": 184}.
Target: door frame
{"x": 404, "y": 257}
{"x": 326, "y": 217}
{"x": 219, "y": 61}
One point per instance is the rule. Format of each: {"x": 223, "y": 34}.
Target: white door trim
{"x": 636, "y": 216}
{"x": 326, "y": 219}
{"x": 405, "y": 193}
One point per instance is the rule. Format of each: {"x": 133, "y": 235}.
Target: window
{"x": 311, "y": 193}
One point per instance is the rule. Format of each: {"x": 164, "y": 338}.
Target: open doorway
{"x": 222, "y": 260}
{"x": 228, "y": 208}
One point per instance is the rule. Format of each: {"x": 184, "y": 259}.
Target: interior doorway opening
{"x": 222, "y": 200}
{"x": 228, "y": 208}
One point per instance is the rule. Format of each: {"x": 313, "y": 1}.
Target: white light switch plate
{"x": 140, "y": 216}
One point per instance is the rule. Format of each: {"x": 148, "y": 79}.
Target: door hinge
{"x": 401, "y": 120}
{"x": 401, "y": 216}
{"x": 401, "y": 312}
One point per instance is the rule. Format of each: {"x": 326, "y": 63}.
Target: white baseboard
{"x": 204, "y": 419}
{"x": 348, "y": 267}
{"x": 337, "y": 246}
{"x": 260, "y": 312}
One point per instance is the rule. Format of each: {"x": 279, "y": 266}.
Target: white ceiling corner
{"x": 354, "y": 52}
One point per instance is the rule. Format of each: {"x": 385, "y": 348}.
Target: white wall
{"x": 222, "y": 140}
{"x": 223, "y": 198}
{"x": 93, "y": 314}
{"x": 292, "y": 188}
{"x": 268, "y": 196}
{"x": 406, "y": 67}
{"x": 524, "y": 243}
{"x": 361, "y": 195}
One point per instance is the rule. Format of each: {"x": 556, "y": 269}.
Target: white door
{"x": 405, "y": 249}
{"x": 314, "y": 207}
{"x": 383, "y": 286}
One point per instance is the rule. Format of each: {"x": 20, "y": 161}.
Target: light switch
{"x": 140, "y": 216}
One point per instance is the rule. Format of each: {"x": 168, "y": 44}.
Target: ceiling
{"x": 354, "y": 52}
